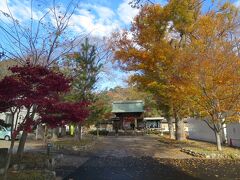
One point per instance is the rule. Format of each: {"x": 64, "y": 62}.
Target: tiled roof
{"x": 127, "y": 106}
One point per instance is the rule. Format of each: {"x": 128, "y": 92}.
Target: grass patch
{"x": 154, "y": 131}
{"x": 26, "y": 175}
{"x": 33, "y": 164}
{"x": 173, "y": 142}
{"x": 203, "y": 147}
{"x": 31, "y": 160}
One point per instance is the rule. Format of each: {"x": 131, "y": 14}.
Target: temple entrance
{"x": 128, "y": 115}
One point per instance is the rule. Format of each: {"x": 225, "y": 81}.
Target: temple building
{"x": 128, "y": 114}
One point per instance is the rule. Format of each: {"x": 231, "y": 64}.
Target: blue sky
{"x": 97, "y": 17}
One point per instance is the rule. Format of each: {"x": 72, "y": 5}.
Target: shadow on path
{"x": 125, "y": 168}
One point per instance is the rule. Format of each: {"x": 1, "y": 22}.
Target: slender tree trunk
{"x": 180, "y": 134}
{"x": 223, "y": 133}
{"x": 97, "y": 131}
{"x": 63, "y": 131}
{"x": 45, "y": 133}
{"x": 9, "y": 157}
{"x": 218, "y": 140}
{"x": 25, "y": 133}
{"x": 54, "y": 134}
{"x": 80, "y": 131}
{"x": 10, "y": 151}
{"x": 22, "y": 144}
{"x": 76, "y": 133}
{"x": 170, "y": 128}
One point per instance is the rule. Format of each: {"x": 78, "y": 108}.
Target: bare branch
{"x": 41, "y": 40}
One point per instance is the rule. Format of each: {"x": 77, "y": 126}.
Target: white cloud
{"x": 20, "y": 10}
{"x": 91, "y": 18}
{"x": 97, "y": 20}
{"x": 104, "y": 12}
{"x": 3, "y": 6}
{"x": 126, "y": 12}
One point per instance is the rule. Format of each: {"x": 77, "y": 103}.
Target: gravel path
{"x": 136, "y": 158}
{"x": 140, "y": 158}
{"x": 126, "y": 168}
{"x": 122, "y": 158}
{"x": 136, "y": 146}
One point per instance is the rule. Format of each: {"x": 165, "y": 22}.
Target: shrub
{"x": 101, "y": 132}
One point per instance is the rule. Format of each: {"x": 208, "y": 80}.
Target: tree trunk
{"x": 170, "y": 128}
{"x": 10, "y": 152}
{"x": 54, "y": 134}
{"x": 25, "y": 134}
{"x": 224, "y": 134}
{"x": 22, "y": 144}
{"x": 180, "y": 134}
{"x": 97, "y": 131}
{"x": 77, "y": 133}
{"x": 45, "y": 133}
{"x": 224, "y": 137}
{"x": 218, "y": 140}
{"x": 80, "y": 132}
{"x": 63, "y": 131}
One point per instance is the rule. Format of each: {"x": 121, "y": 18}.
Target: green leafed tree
{"x": 83, "y": 67}
{"x": 100, "y": 109}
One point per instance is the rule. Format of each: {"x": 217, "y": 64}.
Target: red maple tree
{"x": 37, "y": 89}
{"x": 61, "y": 113}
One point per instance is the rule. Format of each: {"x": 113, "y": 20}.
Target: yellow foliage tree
{"x": 151, "y": 51}
{"x": 189, "y": 60}
{"x": 214, "y": 64}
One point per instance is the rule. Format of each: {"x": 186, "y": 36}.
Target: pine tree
{"x": 84, "y": 68}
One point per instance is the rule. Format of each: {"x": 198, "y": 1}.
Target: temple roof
{"x": 127, "y": 106}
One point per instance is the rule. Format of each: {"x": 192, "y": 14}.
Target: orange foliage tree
{"x": 214, "y": 64}
{"x": 151, "y": 50}
{"x": 189, "y": 60}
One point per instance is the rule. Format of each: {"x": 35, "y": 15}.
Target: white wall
{"x": 21, "y": 116}
{"x": 2, "y": 116}
{"x": 199, "y": 130}
{"x": 233, "y": 133}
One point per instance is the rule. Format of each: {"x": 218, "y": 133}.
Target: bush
{"x": 101, "y": 132}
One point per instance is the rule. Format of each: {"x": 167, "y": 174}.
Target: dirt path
{"x": 136, "y": 146}
{"x": 133, "y": 157}
{"x": 140, "y": 158}
{"x": 136, "y": 157}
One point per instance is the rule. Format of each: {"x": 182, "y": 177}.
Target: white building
{"x": 7, "y": 116}
{"x": 199, "y": 130}
{"x": 160, "y": 123}
{"x": 233, "y": 134}
{"x": 154, "y": 123}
